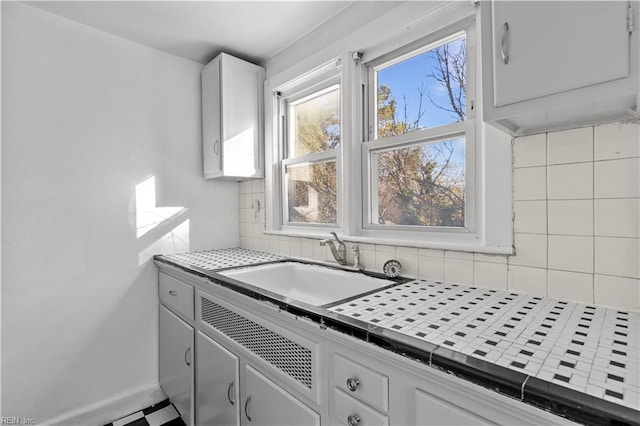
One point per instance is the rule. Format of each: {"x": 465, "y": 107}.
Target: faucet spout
{"x": 339, "y": 251}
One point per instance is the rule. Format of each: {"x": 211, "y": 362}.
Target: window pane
{"x": 311, "y": 193}
{"x": 421, "y": 185}
{"x": 426, "y": 90}
{"x": 315, "y": 123}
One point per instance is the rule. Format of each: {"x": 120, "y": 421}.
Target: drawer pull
{"x": 173, "y": 293}
{"x": 352, "y": 384}
{"x": 353, "y": 420}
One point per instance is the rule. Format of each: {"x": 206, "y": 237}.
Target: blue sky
{"x": 405, "y": 79}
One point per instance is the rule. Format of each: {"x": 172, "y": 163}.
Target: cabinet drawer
{"x": 361, "y": 382}
{"x": 177, "y": 295}
{"x": 349, "y": 411}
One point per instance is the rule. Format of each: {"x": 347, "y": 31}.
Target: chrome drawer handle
{"x": 353, "y": 420}
{"x": 173, "y": 293}
{"x": 353, "y": 383}
{"x": 232, "y": 401}
{"x": 186, "y": 357}
{"x": 246, "y": 408}
{"x": 504, "y": 43}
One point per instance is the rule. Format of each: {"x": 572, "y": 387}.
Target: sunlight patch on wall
{"x": 148, "y": 215}
{"x": 174, "y": 241}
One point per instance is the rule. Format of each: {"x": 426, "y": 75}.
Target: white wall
{"x": 86, "y": 118}
{"x": 577, "y": 235}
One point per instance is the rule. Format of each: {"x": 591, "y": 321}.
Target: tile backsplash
{"x": 576, "y": 223}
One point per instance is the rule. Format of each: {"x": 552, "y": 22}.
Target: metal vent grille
{"x": 288, "y": 356}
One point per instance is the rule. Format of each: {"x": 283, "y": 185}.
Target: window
{"x": 420, "y": 139}
{"x": 383, "y": 146}
{"x": 311, "y": 144}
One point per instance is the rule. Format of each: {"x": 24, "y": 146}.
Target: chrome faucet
{"x": 339, "y": 253}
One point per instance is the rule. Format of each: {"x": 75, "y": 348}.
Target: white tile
{"x": 128, "y": 419}
{"x": 530, "y": 250}
{"x": 306, "y": 248}
{"x": 460, "y": 255}
{"x": 408, "y": 258}
{"x": 617, "y": 292}
{"x": 368, "y": 258}
{"x": 528, "y": 280}
{"x": 571, "y": 217}
{"x": 570, "y": 146}
{"x": 294, "y": 247}
{"x": 431, "y": 267}
{"x": 572, "y": 286}
{"x": 490, "y": 275}
{"x": 567, "y": 253}
{"x": 620, "y": 140}
{"x": 618, "y": 256}
{"x": 458, "y": 271}
{"x": 530, "y": 151}
{"x": 530, "y": 217}
{"x": 617, "y": 217}
{"x": 490, "y": 258}
{"x": 570, "y": 181}
{"x": 617, "y": 178}
{"x": 431, "y": 253}
{"x": 162, "y": 416}
{"x": 530, "y": 183}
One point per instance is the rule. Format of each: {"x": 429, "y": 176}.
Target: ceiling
{"x": 199, "y": 30}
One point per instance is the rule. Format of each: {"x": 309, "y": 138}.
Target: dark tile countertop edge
{"x": 569, "y": 403}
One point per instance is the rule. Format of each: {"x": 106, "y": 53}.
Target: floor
{"x": 160, "y": 414}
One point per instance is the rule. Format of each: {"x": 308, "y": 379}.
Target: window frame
{"x": 323, "y": 81}
{"x": 466, "y": 129}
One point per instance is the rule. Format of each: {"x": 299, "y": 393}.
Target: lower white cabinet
{"x": 217, "y": 384}
{"x": 266, "y": 403}
{"x": 176, "y": 362}
{"x": 432, "y": 410}
{"x": 255, "y": 365}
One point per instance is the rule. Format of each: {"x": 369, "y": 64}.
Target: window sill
{"x": 466, "y": 246}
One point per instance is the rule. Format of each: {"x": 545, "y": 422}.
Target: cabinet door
{"x": 211, "y": 120}
{"x": 176, "y": 366}
{"x": 431, "y": 410}
{"x": 556, "y": 46}
{"x": 241, "y": 86}
{"x": 217, "y": 384}
{"x": 268, "y": 404}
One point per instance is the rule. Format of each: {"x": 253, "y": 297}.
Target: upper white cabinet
{"x": 232, "y": 119}
{"x": 556, "y": 64}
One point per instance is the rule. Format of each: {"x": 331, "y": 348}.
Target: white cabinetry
{"x": 555, "y": 64}
{"x": 176, "y": 366}
{"x": 373, "y": 386}
{"x": 176, "y": 341}
{"x": 217, "y": 384}
{"x": 232, "y": 119}
{"x": 266, "y": 403}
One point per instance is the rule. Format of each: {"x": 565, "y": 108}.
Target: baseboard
{"x": 108, "y": 410}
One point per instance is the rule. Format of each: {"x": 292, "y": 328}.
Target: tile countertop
{"x": 580, "y": 361}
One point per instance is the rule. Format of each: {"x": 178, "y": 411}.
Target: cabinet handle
{"x": 173, "y": 293}
{"x": 246, "y": 408}
{"x": 231, "y": 401}
{"x": 186, "y": 360}
{"x": 216, "y": 147}
{"x": 504, "y": 43}
{"x": 353, "y": 420}
{"x": 352, "y": 384}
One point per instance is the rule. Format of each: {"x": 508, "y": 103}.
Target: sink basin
{"x": 312, "y": 284}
